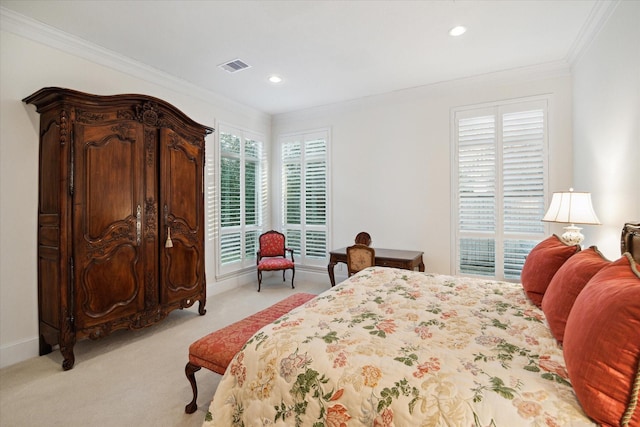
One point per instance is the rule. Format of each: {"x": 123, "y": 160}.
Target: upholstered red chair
{"x": 273, "y": 255}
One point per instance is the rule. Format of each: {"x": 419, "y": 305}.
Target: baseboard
{"x": 18, "y": 352}
{"x": 227, "y": 284}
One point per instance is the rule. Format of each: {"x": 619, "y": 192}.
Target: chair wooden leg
{"x": 259, "y": 279}
{"x": 293, "y": 275}
{"x": 190, "y": 371}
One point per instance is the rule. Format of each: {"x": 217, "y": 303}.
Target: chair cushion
{"x": 602, "y": 344}
{"x": 565, "y": 286}
{"x": 275, "y": 264}
{"x": 216, "y": 350}
{"x": 541, "y": 264}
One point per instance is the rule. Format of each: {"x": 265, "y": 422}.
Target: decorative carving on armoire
{"x": 124, "y": 131}
{"x": 66, "y": 336}
{"x": 150, "y": 145}
{"x": 137, "y": 321}
{"x": 179, "y": 228}
{"x": 102, "y": 264}
{"x": 122, "y": 230}
{"x": 148, "y": 113}
{"x": 150, "y": 290}
{"x": 72, "y": 168}
{"x": 175, "y": 144}
{"x": 125, "y": 115}
{"x": 151, "y": 216}
{"x": 64, "y": 126}
{"x": 84, "y": 116}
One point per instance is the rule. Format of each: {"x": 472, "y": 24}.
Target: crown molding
{"x": 39, "y": 32}
{"x": 511, "y": 76}
{"x": 600, "y": 14}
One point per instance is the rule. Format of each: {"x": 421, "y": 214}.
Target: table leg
{"x": 332, "y": 277}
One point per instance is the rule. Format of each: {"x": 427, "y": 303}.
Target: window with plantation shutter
{"x": 500, "y": 183}
{"x": 304, "y": 195}
{"x": 242, "y": 201}
{"x": 211, "y": 204}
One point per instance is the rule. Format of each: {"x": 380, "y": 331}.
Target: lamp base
{"x": 572, "y": 235}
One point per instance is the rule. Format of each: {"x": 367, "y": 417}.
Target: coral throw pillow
{"x": 541, "y": 264}
{"x": 602, "y": 345}
{"x": 565, "y": 286}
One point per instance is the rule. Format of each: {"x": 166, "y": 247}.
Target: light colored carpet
{"x": 131, "y": 378}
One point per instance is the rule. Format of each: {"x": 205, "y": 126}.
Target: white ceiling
{"x": 326, "y": 51}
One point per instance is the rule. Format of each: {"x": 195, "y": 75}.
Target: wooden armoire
{"x": 120, "y": 214}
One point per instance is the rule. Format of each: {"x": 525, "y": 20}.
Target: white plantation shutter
{"x": 477, "y": 194}
{"x": 500, "y": 185}
{"x": 523, "y": 170}
{"x": 255, "y": 193}
{"x": 316, "y": 198}
{"x": 210, "y": 203}
{"x": 243, "y": 195}
{"x": 304, "y": 195}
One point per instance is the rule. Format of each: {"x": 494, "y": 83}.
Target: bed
{"x": 391, "y": 347}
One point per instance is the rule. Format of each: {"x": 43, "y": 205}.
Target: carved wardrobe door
{"x": 182, "y": 188}
{"x": 107, "y": 223}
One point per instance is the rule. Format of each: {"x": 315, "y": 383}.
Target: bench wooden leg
{"x": 190, "y": 371}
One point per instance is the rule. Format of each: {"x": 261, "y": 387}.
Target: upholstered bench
{"x": 216, "y": 350}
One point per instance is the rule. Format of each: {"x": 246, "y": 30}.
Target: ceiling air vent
{"x": 234, "y": 66}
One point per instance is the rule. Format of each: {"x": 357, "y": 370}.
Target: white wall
{"x": 27, "y": 66}
{"x": 606, "y": 123}
{"x": 391, "y": 156}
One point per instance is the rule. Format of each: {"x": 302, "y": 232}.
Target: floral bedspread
{"x": 391, "y": 347}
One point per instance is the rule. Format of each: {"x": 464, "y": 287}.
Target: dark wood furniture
{"x": 120, "y": 214}
{"x": 359, "y": 257}
{"x": 630, "y": 240}
{"x": 408, "y": 260}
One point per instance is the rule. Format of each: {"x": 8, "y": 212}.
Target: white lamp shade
{"x": 571, "y": 207}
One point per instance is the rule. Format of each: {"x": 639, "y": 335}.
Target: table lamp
{"x": 572, "y": 208}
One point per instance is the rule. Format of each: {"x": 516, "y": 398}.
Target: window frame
{"x": 498, "y": 109}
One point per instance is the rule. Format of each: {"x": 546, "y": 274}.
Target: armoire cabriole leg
{"x": 69, "y": 358}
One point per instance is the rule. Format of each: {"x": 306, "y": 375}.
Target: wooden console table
{"x": 407, "y": 260}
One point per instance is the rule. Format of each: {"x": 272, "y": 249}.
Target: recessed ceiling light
{"x": 275, "y": 79}
{"x": 457, "y": 31}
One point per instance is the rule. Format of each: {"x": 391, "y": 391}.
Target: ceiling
{"x": 326, "y": 51}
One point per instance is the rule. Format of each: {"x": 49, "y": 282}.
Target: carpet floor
{"x": 131, "y": 378}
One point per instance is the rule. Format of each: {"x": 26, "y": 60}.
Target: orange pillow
{"x": 602, "y": 344}
{"x": 566, "y": 284}
{"x": 541, "y": 264}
